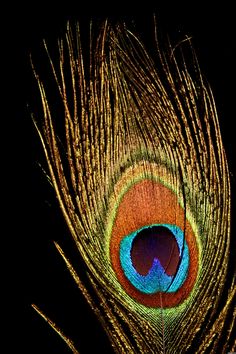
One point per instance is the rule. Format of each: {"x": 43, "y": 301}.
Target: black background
{"x": 38, "y": 275}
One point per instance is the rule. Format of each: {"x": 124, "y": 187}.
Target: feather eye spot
{"x": 153, "y": 250}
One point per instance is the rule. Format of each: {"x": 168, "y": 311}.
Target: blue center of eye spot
{"x": 155, "y": 258}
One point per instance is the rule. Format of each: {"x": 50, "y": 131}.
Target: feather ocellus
{"x": 144, "y": 188}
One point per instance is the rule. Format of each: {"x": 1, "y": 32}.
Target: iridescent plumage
{"x": 143, "y": 152}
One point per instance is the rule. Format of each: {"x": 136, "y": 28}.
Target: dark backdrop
{"x": 38, "y": 274}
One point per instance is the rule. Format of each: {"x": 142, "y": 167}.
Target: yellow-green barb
{"x": 136, "y": 127}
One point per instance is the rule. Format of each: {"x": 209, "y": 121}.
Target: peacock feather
{"x": 141, "y": 177}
